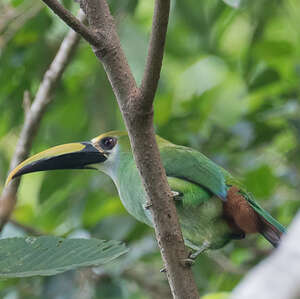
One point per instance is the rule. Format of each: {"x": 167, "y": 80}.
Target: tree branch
{"x": 73, "y": 22}
{"x": 277, "y": 276}
{"x": 155, "y": 53}
{"x": 137, "y": 111}
{"x": 33, "y": 118}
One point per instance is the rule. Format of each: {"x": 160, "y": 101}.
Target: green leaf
{"x": 48, "y": 255}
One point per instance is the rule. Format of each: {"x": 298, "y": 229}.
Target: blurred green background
{"x": 230, "y": 87}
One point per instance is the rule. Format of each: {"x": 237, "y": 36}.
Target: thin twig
{"x": 155, "y": 53}
{"x": 34, "y": 116}
{"x": 74, "y": 23}
{"x": 26, "y": 102}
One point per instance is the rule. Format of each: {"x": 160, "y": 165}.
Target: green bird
{"x": 213, "y": 207}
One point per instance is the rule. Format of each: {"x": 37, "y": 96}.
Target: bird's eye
{"x": 107, "y": 143}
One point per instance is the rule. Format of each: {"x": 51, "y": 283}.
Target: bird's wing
{"x": 191, "y": 165}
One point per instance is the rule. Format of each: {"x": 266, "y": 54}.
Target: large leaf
{"x": 48, "y": 255}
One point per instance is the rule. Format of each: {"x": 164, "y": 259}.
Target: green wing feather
{"x": 191, "y": 165}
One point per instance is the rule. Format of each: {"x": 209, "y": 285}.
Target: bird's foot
{"x": 193, "y": 256}
{"x": 176, "y": 195}
{"x": 189, "y": 261}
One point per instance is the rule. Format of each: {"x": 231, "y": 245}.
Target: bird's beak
{"x": 66, "y": 156}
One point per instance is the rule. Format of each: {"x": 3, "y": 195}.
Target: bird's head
{"x": 99, "y": 153}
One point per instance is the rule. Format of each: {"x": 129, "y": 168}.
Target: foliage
{"x": 229, "y": 87}
{"x": 47, "y": 255}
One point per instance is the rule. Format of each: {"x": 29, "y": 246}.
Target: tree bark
{"x": 136, "y": 105}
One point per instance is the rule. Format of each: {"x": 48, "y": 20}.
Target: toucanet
{"x": 213, "y": 207}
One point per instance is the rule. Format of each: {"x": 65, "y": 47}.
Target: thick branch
{"x": 155, "y": 53}
{"x": 167, "y": 228}
{"x": 139, "y": 121}
{"x": 33, "y": 117}
{"x": 277, "y": 276}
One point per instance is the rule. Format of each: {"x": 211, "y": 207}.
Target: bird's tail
{"x": 271, "y": 231}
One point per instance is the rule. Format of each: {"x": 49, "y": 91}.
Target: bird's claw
{"x": 147, "y": 205}
{"x": 193, "y": 256}
{"x": 189, "y": 261}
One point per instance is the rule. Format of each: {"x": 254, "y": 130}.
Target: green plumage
{"x": 213, "y": 207}
{"x": 202, "y": 184}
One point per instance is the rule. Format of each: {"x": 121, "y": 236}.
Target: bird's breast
{"x": 132, "y": 194}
